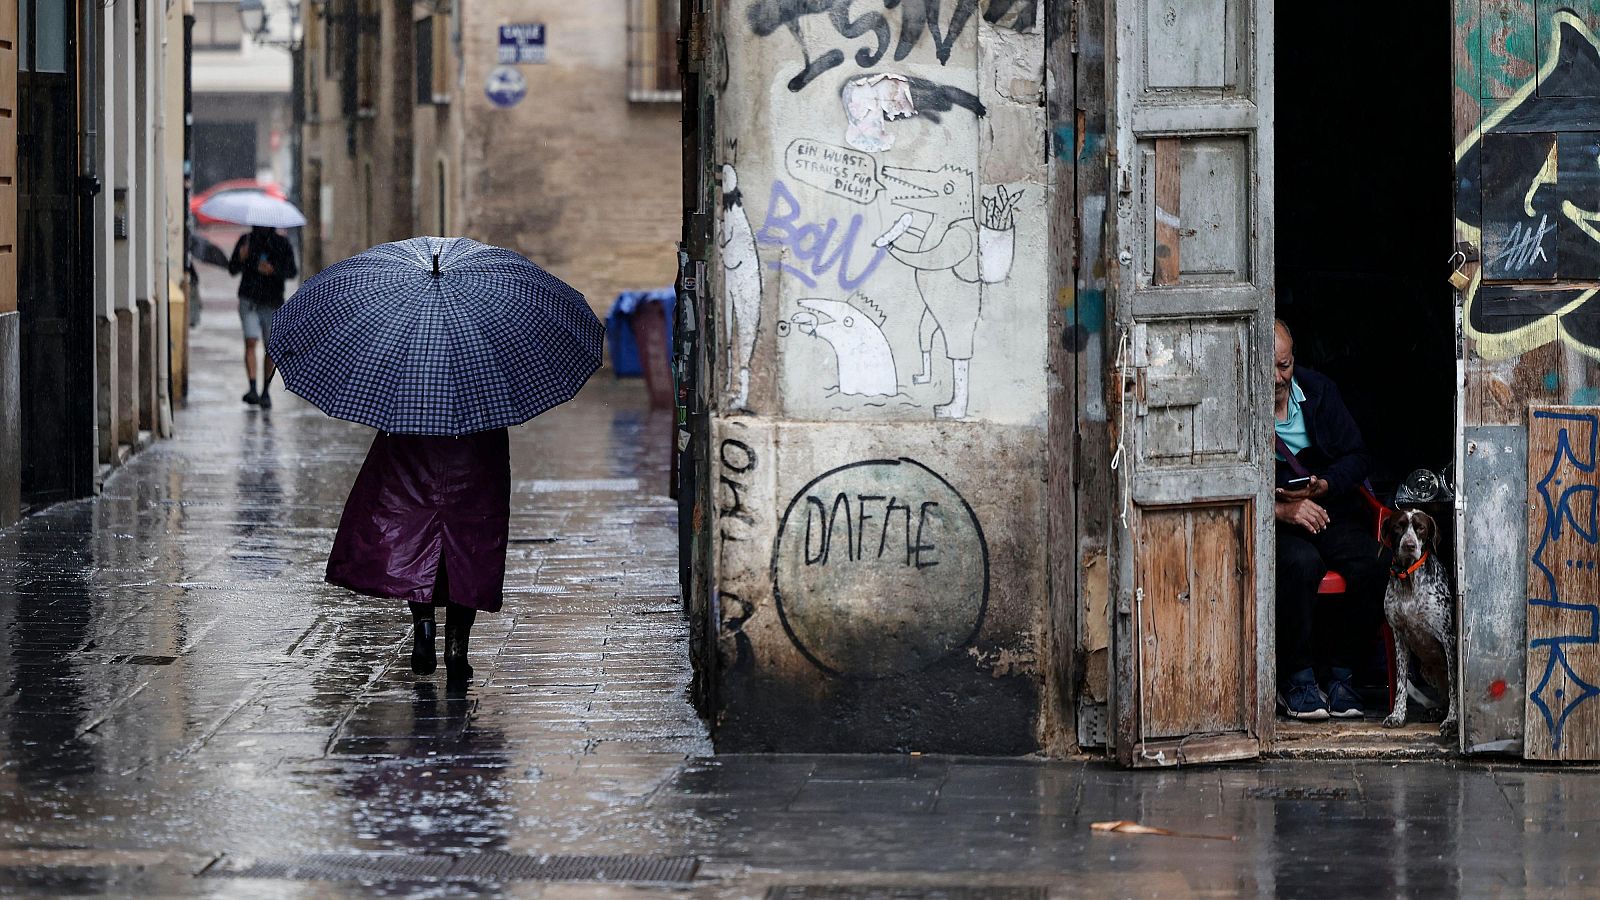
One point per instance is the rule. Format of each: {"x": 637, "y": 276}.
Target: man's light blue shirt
{"x": 1293, "y": 429}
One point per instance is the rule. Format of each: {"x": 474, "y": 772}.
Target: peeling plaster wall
{"x": 881, "y": 286}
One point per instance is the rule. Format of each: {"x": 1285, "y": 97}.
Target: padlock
{"x": 1459, "y": 279}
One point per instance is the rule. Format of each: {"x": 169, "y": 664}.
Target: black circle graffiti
{"x": 821, "y": 645}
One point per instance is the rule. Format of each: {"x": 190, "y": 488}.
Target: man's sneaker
{"x": 1343, "y": 701}
{"x": 252, "y": 397}
{"x": 266, "y": 400}
{"x": 1301, "y": 698}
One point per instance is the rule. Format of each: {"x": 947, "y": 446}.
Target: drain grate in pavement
{"x": 488, "y": 866}
{"x": 902, "y": 892}
{"x": 1297, "y": 793}
{"x": 341, "y": 867}
{"x": 659, "y": 869}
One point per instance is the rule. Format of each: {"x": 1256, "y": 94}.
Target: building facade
{"x": 84, "y": 342}
{"x": 243, "y": 122}
{"x": 977, "y": 329}
{"x": 536, "y": 126}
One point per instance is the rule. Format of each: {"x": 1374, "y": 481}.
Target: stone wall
{"x": 881, "y": 282}
{"x": 574, "y": 175}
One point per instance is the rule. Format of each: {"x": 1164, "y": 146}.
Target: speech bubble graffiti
{"x": 840, "y": 171}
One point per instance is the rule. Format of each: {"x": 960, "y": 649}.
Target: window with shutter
{"x": 653, "y": 51}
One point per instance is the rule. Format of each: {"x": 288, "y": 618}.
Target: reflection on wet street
{"x": 188, "y": 709}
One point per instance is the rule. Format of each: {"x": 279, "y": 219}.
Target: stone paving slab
{"x": 181, "y": 694}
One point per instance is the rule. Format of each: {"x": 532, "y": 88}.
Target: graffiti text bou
{"x": 817, "y": 248}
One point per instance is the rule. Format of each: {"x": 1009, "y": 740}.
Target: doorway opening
{"x": 1364, "y": 210}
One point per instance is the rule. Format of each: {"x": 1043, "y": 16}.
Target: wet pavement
{"x": 188, "y": 710}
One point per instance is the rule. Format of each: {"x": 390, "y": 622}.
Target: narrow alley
{"x": 188, "y": 710}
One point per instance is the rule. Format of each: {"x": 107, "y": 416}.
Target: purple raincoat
{"x": 427, "y": 508}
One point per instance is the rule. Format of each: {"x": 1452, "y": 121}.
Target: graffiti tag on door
{"x": 1563, "y": 583}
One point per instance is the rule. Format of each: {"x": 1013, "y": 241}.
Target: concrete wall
{"x": 172, "y": 179}
{"x": 881, "y": 281}
{"x": 574, "y": 176}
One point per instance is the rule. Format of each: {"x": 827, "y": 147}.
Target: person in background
{"x": 265, "y": 259}
{"x": 1322, "y": 464}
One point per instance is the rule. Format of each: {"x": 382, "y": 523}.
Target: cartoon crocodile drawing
{"x": 854, "y": 329}
{"x": 941, "y": 238}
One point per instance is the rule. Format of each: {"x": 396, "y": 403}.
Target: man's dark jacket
{"x": 1336, "y": 452}
{"x": 262, "y": 243}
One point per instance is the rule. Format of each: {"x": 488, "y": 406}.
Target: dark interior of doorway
{"x": 1364, "y": 219}
{"x": 1363, "y": 211}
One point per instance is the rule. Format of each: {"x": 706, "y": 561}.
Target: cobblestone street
{"x": 188, "y": 710}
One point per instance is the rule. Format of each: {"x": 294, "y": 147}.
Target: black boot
{"x": 457, "y": 626}
{"x": 423, "y": 658}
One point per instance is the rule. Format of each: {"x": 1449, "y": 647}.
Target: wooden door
{"x": 56, "y": 315}
{"x": 1526, "y": 85}
{"x": 1191, "y": 290}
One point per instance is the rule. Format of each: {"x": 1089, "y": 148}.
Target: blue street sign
{"x": 505, "y": 87}
{"x": 521, "y": 44}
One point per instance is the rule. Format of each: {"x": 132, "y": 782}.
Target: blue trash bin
{"x": 620, "y": 339}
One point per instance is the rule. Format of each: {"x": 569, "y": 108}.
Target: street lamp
{"x": 257, "y": 23}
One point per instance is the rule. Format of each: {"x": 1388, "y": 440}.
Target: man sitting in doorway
{"x": 1322, "y": 525}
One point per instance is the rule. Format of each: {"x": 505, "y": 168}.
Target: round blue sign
{"x": 505, "y": 87}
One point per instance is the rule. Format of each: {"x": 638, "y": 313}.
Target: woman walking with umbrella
{"x": 441, "y": 344}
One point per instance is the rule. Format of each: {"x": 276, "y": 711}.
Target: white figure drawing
{"x": 741, "y": 286}
{"x": 953, "y": 254}
{"x": 854, "y": 329}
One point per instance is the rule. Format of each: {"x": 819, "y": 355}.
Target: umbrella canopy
{"x": 435, "y": 336}
{"x": 253, "y": 208}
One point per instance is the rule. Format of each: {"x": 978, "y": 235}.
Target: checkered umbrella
{"x": 435, "y": 336}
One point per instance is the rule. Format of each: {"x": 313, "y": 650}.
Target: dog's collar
{"x": 1412, "y": 570}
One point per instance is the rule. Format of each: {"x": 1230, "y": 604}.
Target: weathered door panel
{"x": 1192, "y": 610}
{"x": 1191, "y": 290}
{"x": 1494, "y": 476}
{"x": 1562, "y": 720}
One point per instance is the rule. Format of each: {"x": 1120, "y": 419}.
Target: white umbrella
{"x": 253, "y": 208}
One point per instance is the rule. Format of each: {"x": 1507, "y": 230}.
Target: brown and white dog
{"x": 1419, "y": 608}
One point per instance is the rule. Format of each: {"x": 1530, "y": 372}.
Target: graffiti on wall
{"x": 816, "y": 246}
{"x": 1528, "y": 193}
{"x": 875, "y": 250}
{"x": 853, "y": 330}
{"x": 741, "y": 286}
{"x": 880, "y": 569}
{"x": 870, "y": 32}
{"x": 1564, "y": 595}
{"x": 941, "y": 238}
{"x": 737, "y": 463}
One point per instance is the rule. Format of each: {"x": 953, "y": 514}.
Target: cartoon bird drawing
{"x": 854, "y": 329}
{"x": 941, "y": 238}
{"x": 741, "y": 286}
